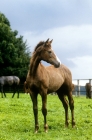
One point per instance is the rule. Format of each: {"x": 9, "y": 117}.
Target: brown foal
{"x": 44, "y": 80}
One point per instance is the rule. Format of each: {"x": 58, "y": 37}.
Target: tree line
{"x": 14, "y": 52}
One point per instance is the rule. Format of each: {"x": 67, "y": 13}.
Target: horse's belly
{"x": 54, "y": 86}
{"x": 53, "y": 89}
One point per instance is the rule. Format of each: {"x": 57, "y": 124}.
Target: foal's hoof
{"x": 36, "y": 129}
{"x": 46, "y": 128}
{"x": 46, "y": 131}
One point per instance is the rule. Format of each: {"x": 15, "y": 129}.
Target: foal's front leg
{"x": 35, "y": 110}
{"x": 44, "y": 110}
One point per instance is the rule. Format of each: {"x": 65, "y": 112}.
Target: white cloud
{"x": 64, "y": 38}
{"x": 83, "y": 69}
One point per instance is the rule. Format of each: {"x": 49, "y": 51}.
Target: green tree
{"x": 14, "y": 52}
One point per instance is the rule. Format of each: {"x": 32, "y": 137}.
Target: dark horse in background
{"x": 13, "y": 81}
{"x": 44, "y": 80}
{"x": 88, "y": 90}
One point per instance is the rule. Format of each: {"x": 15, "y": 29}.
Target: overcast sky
{"x": 67, "y": 22}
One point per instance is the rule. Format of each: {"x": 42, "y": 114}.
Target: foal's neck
{"x": 34, "y": 63}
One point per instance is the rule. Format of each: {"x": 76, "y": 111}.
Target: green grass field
{"x": 17, "y": 122}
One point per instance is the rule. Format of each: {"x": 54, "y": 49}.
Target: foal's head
{"x": 45, "y": 52}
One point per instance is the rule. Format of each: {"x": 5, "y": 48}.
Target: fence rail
{"x": 80, "y": 86}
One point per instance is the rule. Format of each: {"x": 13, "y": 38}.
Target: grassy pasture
{"x": 17, "y": 122}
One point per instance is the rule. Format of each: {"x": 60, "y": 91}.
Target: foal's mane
{"x": 33, "y": 59}
{"x": 38, "y": 45}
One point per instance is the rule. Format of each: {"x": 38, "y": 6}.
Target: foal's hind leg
{"x": 71, "y": 104}
{"x": 35, "y": 110}
{"x": 65, "y": 105}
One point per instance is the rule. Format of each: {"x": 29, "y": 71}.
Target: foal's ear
{"x": 51, "y": 41}
{"x": 47, "y": 40}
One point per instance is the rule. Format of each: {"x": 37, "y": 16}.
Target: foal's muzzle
{"x": 56, "y": 65}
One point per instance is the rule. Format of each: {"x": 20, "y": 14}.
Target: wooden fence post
{"x": 78, "y": 87}
{"x": 91, "y": 87}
